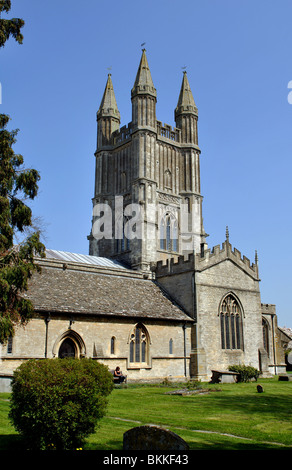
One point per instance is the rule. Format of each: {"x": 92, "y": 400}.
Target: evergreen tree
{"x": 9, "y": 27}
{"x": 17, "y": 185}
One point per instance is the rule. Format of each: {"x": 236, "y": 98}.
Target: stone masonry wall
{"x": 95, "y": 334}
{"x": 211, "y": 286}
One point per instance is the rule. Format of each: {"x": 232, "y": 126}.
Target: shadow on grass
{"x": 11, "y": 442}
{"x": 233, "y": 445}
{"x": 268, "y": 404}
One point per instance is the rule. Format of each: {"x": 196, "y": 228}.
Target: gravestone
{"x": 224, "y": 376}
{"x": 284, "y": 377}
{"x": 152, "y": 438}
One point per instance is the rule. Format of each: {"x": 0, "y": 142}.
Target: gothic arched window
{"x": 174, "y": 236}
{"x": 162, "y": 234}
{"x": 265, "y": 334}
{"x": 169, "y": 233}
{"x": 139, "y": 345}
{"x": 113, "y": 345}
{"x": 123, "y": 243}
{"x": 231, "y": 323}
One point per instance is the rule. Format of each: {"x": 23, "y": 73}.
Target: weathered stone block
{"x": 152, "y": 438}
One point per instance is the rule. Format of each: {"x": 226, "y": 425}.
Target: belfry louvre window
{"x": 139, "y": 345}
{"x": 231, "y": 324}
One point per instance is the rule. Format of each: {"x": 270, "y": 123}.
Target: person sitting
{"x": 119, "y": 374}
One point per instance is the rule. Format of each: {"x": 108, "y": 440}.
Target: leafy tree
{"x": 9, "y": 27}
{"x": 56, "y": 403}
{"x": 17, "y": 184}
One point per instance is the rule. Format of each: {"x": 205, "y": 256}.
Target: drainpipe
{"x": 185, "y": 359}
{"x": 47, "y": 320}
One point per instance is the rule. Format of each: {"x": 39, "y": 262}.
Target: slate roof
{"x": 75, "y": 287}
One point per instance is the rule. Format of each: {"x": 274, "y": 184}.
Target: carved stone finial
{"x": 227, "y": 233}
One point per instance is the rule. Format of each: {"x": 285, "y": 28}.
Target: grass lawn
{"x": 234, "y": 417}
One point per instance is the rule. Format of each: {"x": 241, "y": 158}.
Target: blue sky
{"x": 238, "y": 59}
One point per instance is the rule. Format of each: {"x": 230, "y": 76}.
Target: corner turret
{"x": 108, "y": 116}
{"x": 143, "y": 97}
{"x": 186, "y": 113}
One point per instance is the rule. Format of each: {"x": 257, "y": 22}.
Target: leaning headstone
{"x": 152, "y": 438}
{"x": 260, "y": 388}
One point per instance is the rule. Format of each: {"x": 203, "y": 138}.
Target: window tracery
{"x": 231, "y": 323}
{"x": 139, "y": 345}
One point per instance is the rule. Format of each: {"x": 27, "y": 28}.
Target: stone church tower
{"x": 147, "y": 213}
{"x": 147, "y": 204}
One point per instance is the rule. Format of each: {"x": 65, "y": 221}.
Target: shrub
{"x": 56, "y": 403}
{"x": 246, "y": 372}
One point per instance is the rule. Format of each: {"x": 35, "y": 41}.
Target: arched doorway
{"x": 67, "y": 348}
{"x": 69, "y": 344}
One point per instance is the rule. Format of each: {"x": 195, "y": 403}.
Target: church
{"x": 150, "y": 297}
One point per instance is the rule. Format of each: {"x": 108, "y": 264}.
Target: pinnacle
{"x": 108, "y": 105}
{"x": 186, "y": 102}
{"x": 143, "y": 80}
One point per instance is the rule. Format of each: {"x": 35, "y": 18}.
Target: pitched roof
{"x": 99, "y": 290}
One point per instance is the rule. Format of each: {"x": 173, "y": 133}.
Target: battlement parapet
{"x": 200, "y": 262}
{"x": 175, "y": 266}
{"x": 122, "y": 134}
{"x": 168, "y": 132}
{"x": 268, "y": 309}
{"x": 218, "y": 254}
